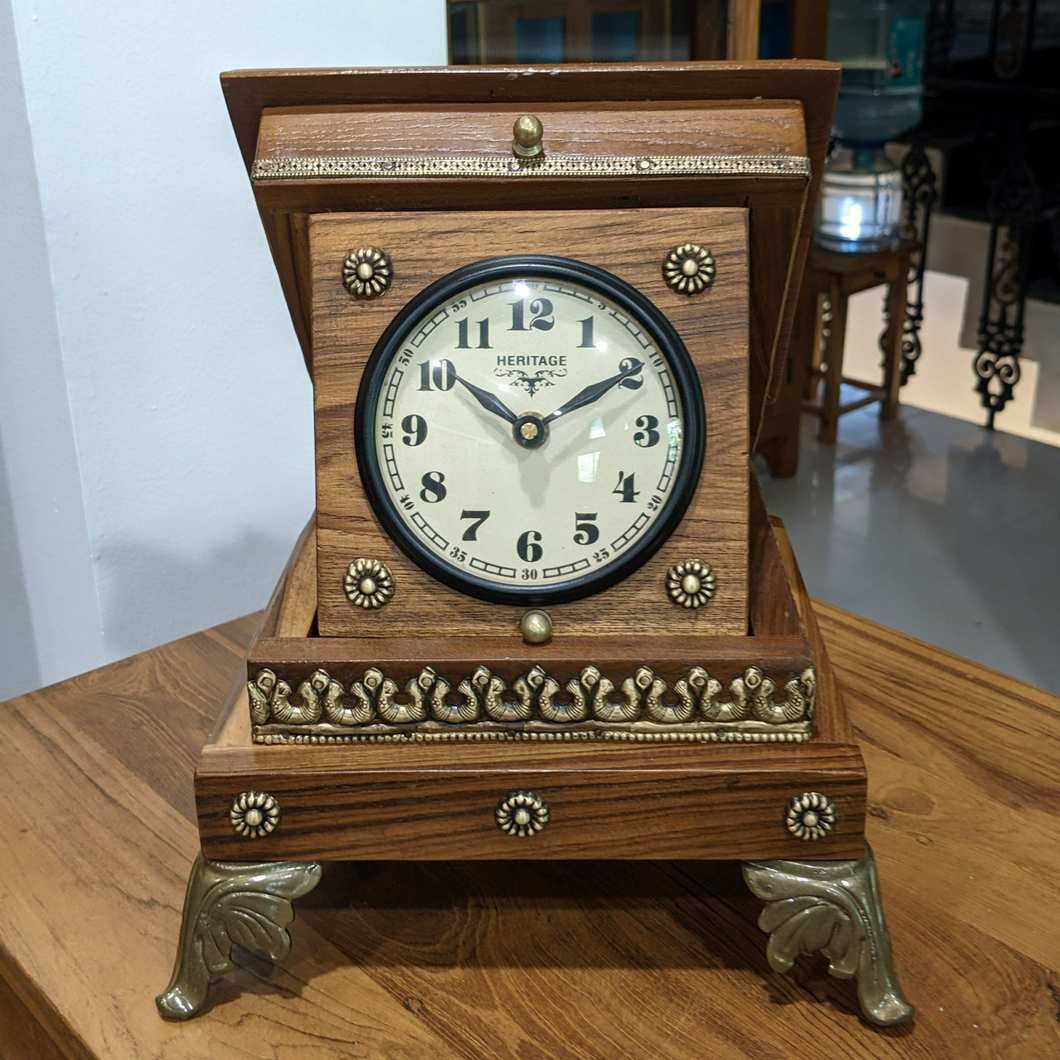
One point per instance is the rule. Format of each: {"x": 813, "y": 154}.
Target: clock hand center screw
{"x": 530, "y": 430}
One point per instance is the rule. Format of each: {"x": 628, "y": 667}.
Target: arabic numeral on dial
{"x": 601, "y": 555}
{"x": 529, "y": 574}
{"x": 654, "y": 503}
{"x": 649, "y": 436}
{"x": 433, "y": 491}
{"x": 415, "y": 428}
{"x": 540, "y": 315}
{"x": 483, "y": 336}
{"x": 442, "y": 373}
{"x": 585, "y": 529}
{"x": 587, "y": 334}
{"x": 528, "y": 548}
{"x": 386, "y": 430}
{"x": 631, "y": 382}
{"x": 625, "y": 488}
{"x": 406, "y": 502}
{"x": 478, "y": 519}
{"x": 458, "y": 554}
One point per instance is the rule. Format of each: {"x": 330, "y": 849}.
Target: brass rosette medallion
{"x": 254, "y": 814}
{"x": 810, "y": 816}
{"x": 367, "y": 272}
{"x": 689, "y": 268}
{"x": 368, "y": 584}
{"x": 691, "y": 584}
{"x": 522, "y": 813}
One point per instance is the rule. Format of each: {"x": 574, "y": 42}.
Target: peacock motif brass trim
{"x": 444, "y": 166}
{"x": 537, "y": 706}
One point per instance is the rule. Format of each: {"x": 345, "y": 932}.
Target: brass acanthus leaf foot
{"x": 228, "y": 902}
{"x": 832, "y": 907}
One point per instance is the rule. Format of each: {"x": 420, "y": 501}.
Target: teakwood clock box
{"x": 540, "y": 610}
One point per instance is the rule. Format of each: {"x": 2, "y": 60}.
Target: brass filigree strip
{"x": 753, "y": 708}
{"x": 542, "y": 166}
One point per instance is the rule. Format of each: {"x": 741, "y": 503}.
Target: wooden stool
{"x": 817, "y": 342}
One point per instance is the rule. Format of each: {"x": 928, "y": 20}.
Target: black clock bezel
{"x": 532, "y": 267}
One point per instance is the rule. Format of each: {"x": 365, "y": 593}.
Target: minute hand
{"x": 593, "y": 392}
{"x": 489, "y": 402}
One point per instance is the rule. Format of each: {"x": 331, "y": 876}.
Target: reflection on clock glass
{"x": 528, "y": 431}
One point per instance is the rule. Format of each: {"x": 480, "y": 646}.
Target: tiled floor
{"x": 937, "y": 528}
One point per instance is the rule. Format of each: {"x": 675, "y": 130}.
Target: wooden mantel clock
{"x": 540, "y": 611}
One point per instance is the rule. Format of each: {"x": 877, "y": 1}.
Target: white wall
{"x": 155, "y": 414}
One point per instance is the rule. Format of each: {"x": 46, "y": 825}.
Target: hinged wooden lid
{"x": 693, "y": 134}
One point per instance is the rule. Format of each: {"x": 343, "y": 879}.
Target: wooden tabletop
{"x": 565, "y": 960}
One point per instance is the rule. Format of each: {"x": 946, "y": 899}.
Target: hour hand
{"x": 594, "y": 392}
{"x": 488, "y": 401}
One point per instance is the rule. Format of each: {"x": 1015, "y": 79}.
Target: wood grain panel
{"x": 707, "y": 803}
{"x": 250, "y": 92}
{"x": 750, "y": 127}
{"x": 713, "y": 326}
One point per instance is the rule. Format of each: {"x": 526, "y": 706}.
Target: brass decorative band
{"x": 536, "y": 706}
{"x": 542, "y": 166}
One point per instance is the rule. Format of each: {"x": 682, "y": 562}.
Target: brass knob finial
{"x": 526, "y": 136}
{"x": 536, "y": 627}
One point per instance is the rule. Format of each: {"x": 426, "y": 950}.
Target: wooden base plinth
{"x": 424, "y": 798}
{"x": 437, "y": 801}
{"x": 520, "y": 797}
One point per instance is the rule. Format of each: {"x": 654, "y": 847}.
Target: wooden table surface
{"x": 529, "y": 960}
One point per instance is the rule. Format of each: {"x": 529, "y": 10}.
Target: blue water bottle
{"x": 880, "y": 44}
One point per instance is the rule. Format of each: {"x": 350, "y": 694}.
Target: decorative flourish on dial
{"x": 531, "y": 383}
{"x": 367, "y": 272}
{"x": 522, "y": 813}
{"x": 691, "y": 584}
{"x": 254, "y": 814}
{"x": 810, "y": 816}
{"x": 689, "y": 268}
{"x": 368, "y": 584}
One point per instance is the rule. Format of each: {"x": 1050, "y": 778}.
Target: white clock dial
{"x": 527, "y": 428}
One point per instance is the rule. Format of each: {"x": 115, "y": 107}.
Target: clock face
{"x": 530, "y": 429}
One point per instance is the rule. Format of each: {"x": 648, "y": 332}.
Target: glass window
{"x": 573, "y": 31}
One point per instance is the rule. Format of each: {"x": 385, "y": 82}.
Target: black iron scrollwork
{"x": 919, "y": 185}
{"x": 1015, "y": 203}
